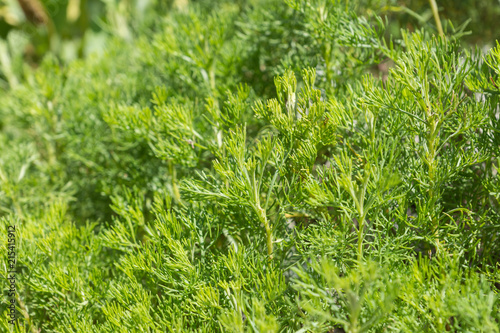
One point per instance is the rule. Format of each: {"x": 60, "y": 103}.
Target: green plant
{"x": 252, "y": 167}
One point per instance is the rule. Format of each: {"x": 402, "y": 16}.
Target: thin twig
{"x": 26, "y": 315}
{"x": 436, "y": 17}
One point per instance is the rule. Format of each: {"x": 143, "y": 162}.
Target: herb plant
{"x": 254, "y": 166}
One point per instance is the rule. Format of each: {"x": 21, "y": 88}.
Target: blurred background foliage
{"x": 480, "y": 17}
{"x": 75, "y": 28}
{"x": 71, "y": 29}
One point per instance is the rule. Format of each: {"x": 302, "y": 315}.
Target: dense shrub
{"x": 255, "y": 166}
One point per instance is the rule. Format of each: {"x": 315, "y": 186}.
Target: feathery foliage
{"x": 253, "y": 166}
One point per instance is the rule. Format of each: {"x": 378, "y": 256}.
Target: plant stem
{"x": 269, "y": 232}
{"x": 361, "y": 225}
{"x": 432, "y": 137}
{"x": 269, "y": 240}
{"x": 211, "y": 77}
{"x": 175, "y": 189}
{"x": 360, "y": 242}
{"x": 25, "y": 313}
{"x": 436, "y": 17}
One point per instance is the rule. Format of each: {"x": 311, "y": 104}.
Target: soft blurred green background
{"x": 480, "y": 16}
{"x": 76, "y": 28}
